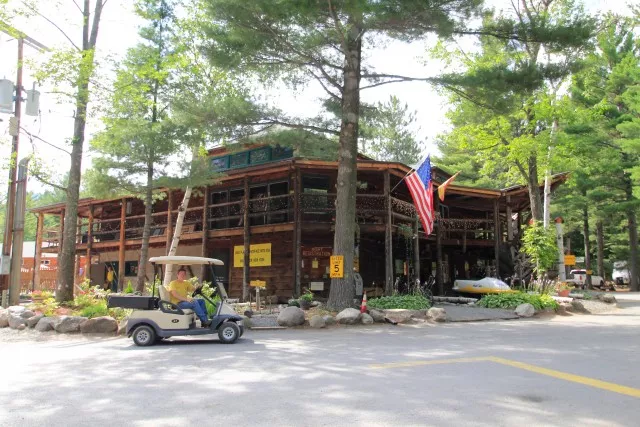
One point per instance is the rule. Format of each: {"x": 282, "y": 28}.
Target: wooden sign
{"x": 570, "y": 260}
{"x": 316, "y": 252}
{"x": 337, "y": 267}
{"x": 258, "y": 283}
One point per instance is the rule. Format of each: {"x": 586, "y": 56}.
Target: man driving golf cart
{"x": 180, "y": 291}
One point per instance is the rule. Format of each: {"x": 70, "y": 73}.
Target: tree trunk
{"x": 343, "y": 290}
{"x": 587, "y": 244}
{"x": 146, "y": 231}
{"x": 547, "y": 187}
{"x": 633, "y": 235}
{"x": 534, "y": 189}
{"x": 65, "y": 276}
{"x": 600, "y": 240}
{"x": 177, "y": 232}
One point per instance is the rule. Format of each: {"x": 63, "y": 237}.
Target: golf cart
{"x": 155, "y": 317}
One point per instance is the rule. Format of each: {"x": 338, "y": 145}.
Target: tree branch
{"x": 37, "y": 176}
{"x": 32, "y": 136}
{"x": 54, "y": 24}
{"x": 296, "y": 126}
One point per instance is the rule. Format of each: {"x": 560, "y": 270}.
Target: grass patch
{"x": 512, "y": 300}
{"x": 406, "y": 302}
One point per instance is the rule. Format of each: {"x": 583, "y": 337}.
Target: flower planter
{"x": 305, "y": 305}
{"x": 564, "y": 293}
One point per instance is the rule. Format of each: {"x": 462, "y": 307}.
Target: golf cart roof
{"x": 185, "y": 260}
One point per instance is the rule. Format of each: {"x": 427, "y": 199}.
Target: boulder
{"x": 21, "y": 327}
{"x": 16, "y": 309}
{"x": 377, "y": 316}
{"x": 366, "y": 319}
{"x": 348, "y": 316}
{"x": 68, "y": 324}
{"x": 607, "y": 298}
{"x": 404, "y": 316}
{"x": 33, "y": 320}
{"x": 122, "y": 327}
{"x": 99, "y": 325}
{"x": 4, "y": 318}
{"x": 525, "y": 310}
{"x": 317, "y": 322}
{"x": 16, "y": 320}
{"x": 437, "y": 314}
{"x": 291, "y": 316}
{"x": 329, "y": 320}
{"x": 27, "y": 314}
{"x": 45, "y": 324}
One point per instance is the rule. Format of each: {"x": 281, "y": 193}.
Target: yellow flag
{"x": 444, "y": 185}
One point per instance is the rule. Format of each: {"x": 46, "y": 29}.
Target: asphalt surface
{"x": 567, "y": 371}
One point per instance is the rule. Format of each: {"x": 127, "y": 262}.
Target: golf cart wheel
{"x": 228, "y": 332}
{"x": 144, "y": 336}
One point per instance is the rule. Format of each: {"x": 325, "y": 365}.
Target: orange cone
{"x": 363, "y": 306}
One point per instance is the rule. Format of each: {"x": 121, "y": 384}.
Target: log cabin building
{"x": 281, "y": 208}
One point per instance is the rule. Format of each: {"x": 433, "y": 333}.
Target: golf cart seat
{"x": 165, "y": 298}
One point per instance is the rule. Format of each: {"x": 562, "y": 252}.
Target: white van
{"x": 621, "y": 273}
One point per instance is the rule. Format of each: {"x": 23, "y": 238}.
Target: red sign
{"x": 319, "y": 252}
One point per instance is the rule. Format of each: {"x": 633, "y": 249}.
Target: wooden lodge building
{"x": 282, "y": 207}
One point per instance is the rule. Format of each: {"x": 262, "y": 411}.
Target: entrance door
{"x": 222, "y": 272}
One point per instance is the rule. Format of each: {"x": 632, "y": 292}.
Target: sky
{"x": 118, "y": 32}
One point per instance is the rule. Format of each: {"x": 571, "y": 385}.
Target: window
{"x": 261, "y": 155}
{"x": 315, "y": 200}
{"x": 131, "y": 268}
{"x": 45, "y": 262}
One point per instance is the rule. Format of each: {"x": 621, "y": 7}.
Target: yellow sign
{"x": 259, "y": 255}
{"x": 258, "y": 283}
{"x": 570, "y": 260}
{"x": 337, "y": 267}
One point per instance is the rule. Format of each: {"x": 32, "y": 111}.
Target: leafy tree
{"x": 539, "y": 244}
{"x": 387, "y": 134}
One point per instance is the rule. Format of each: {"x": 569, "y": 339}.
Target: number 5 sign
{"x": 337, "y": 267}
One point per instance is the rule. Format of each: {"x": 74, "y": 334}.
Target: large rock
{"x": 45, "y": 324}
{"x": 525, "y": 310}
{"x": 317, "y": 322}
{"x": 404, "y": 316}
{"x": 291, "y": 316}
{"x": 15, "y": 320}
{"x": 377, "y": 316}
{"x": 16, "y": 309}
{"x": 607, "y": 298}
{"x": 591, "y": 307}
{"x": 69, "y": 324}
{"x": 99, "y": 325}
{"x": 27, "y": 314}
{"x": 329, "y": 320}
{"x": 33, "y": 320}
{"x": 366, "y": 319}
{"x": 4, "y": 318}
{"x": 348, "y": 316}
{"x": 437, "y": 314}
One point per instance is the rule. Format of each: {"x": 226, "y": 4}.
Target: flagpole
{"x": 403, "y": 178}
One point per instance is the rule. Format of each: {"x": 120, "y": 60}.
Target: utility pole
{"x": 5, "y": 262}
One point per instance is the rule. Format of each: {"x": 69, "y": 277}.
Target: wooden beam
{"x": 438, "y": 225}
{"x": 297, "y": 233}
{"x": 247, "y": 236}
{"x": 205, "y": 234}
{"x": 496, "y": 220}
{"x": 122, "y": 246}
{"x": 416, "y": 249}
{"x": 38, "y": 254}
{"x": 169, "y": 220}
{"x": 388, "y": 242}
{"x": 87, "y": 267}
{"x": 509, "y": 220}
{"x": 61, "y": 232}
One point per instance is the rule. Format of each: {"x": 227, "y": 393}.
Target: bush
{"x": 96, "y": 310}
{"x": 293, "y": 303}
{"x": 514, "y": 299}
{"x": 407, "y": 302}
{"x": 129, "y": 289}
{"x": 307, "y": 296}
{"x": 47, "y": 307}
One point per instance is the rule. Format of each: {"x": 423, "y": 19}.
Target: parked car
{"x": 578, "y": 278}
{"x": 621, "y": 273}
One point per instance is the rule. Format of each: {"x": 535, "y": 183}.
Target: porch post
{"x": 205, "y": 231}
{"x": 38, "y": 254}
{"x": 297, "y": 232}
{"x": 438, "y": 225}
{"x": 76, "y": 264}
{"x": 247, "y": 247}
{"x": 61, "y": 232}
{"x": 388, "y": 239}
{"x": 416, "y": 248}
{"x": 510, "y": 235}
{"x": 496, "y": 225}
{"x": 121, "y": 249}
{"x": 87, "y": 267}
{"x": 169, "y": 220}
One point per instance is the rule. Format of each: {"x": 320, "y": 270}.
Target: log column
{"x": 297, "y": 232}
{"x": 87, "y": 267}
{"x": 245, "y": 265}
{"x": 496, "y": 225}
{"x": 388, "y": 233}
{"x": 438, "y": 226}
{"x": 205, "y": 232}
{"x": 169, "y": 220}
{"x": 416, "y": 248}
{"x": 38, "y": 255}
{"x": 510, "y": 233}
{"x": 60, "y": 235}
{"x": 121, "y": 249}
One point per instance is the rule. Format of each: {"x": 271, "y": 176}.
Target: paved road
{"x": 577, "y": 371}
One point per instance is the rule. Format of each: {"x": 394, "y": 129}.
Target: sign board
{"x": 316, "y": 252}
{"x": 359, "y": 283}
{"x": 259, "y": 255}
{"x": 258, "y": 283}
{"x": 337, "y": 267}
{"x": 589, "y": 272}
{"x": 579, "y": 259}
{"x": 316, "y": 286}
{"x": 570, "y": 260}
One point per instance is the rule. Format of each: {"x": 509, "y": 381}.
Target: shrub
{"x": 47, "y": 307}
{"x": 514, "y": 299}
{"x": 407, "y": 302}
{"x": 129, "y": 289}
{"x": 293, "y": 303}
{"x": 96, "y": 310}
{"x": 540, "y": 245}
{"x": 307, "y": 296}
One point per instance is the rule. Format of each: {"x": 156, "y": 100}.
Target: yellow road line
{"x": 616, "y": 388}
{"x": 604, "y": 385}
{"x": 427, "y": 362}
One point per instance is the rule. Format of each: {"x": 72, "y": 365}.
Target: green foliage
{"x": 47, "y": 307}
{"x": 540, "y": 245}
{"x": 512, "y": 300}
{"x": 307, "y": 296}
{"x": 129, "y": 289}
{"x": 407, "y": 302}
{"x": 96, "y": 309}
{"x": 293, "y": 303}
{"x": 208, "y": 290}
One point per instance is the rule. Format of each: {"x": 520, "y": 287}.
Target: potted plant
{"x": 563, "y": 289}
{"x": 305, "y": 300}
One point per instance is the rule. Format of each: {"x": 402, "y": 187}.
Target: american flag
{"x": 421, "y": 188}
